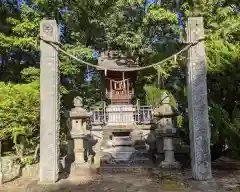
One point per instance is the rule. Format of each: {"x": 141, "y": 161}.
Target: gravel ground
{"x": 119, "y": 182}
{"x": 226, "y": 178}
{"x": 132, "y": 182}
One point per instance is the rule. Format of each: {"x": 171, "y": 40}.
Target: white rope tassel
{"x": 105, "y": 72}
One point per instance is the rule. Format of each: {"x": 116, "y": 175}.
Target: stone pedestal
{"x": 79, "y": 134}
{"x": 79, "y": 161}
{"x": 79, "y": 151}
{"x": 165, "y": 133}
{"x": 169, "y": 158}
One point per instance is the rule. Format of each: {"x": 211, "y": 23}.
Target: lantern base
{"x": 170, "y": 165}
{"x": 81, "y": 169}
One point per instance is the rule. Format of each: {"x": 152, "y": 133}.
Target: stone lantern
{"x": 165, "y": 130}
{"x": 79, "y": 131}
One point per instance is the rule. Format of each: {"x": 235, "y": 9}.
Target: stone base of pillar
{"x": 170, "y": 165}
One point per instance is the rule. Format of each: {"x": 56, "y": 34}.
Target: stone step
{"x": 122, "y": 141}
{"x": 124, "y": 155}
{"x": 118, "y": 156}
{"x": 134, "y": 157}
{"x": 119, "y": 168}
{"x": 128, "y": 163}
{"x": 124, "y": 152}
{"x": 125, "y": 142}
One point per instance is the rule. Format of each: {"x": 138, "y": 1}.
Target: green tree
{"x": 146, "y": 37}
{"x": 19, "y": 116}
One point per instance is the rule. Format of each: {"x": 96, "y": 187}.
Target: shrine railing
{"x": 121, "y": 115}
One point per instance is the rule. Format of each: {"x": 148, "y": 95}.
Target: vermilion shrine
{"x": 122, "y": 131}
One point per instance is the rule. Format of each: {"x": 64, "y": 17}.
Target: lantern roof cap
{"x": 78, "y": 111}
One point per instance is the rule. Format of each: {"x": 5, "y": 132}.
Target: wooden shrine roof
{"x": 115, "y": 61}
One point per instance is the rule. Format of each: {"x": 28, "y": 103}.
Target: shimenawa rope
{"x": 57, "y": 45}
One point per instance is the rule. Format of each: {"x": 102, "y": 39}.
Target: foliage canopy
{"x": 146, "y": 34}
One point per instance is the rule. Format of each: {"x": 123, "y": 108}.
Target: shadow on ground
{"x": 151, "y": 180}
{"x": 117, "y": 182}
{"x": 164, "y": 180}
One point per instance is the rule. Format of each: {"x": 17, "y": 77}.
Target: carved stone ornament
{"x": 48, "y": 29}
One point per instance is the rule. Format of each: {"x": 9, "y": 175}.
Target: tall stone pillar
{"x": 197, "y": 103}
{"x": 49, "y": 94}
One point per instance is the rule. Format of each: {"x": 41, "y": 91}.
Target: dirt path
{"x": 130, "y": 183}
{"x": 224, "y": 180}
{"x": 18, "y": 185}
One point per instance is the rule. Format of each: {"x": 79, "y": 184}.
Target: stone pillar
{"x": 49, "y": 95}
{"x": 79, "y": 133}
{"x": 165, "y": 129}
{"x": 197, "y": 103}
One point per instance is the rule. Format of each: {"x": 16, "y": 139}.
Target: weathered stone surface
{"x": 197, "y": 103}
{"x": 122, "y": 141}
{"x": 169, "y": 158}
{"x": 10, "y": 169}
{"x": 30, "y": 170}
{"x": 120, "y": 152}
{"x": 50, "y": 103}
{"x": 136, "y": 135}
